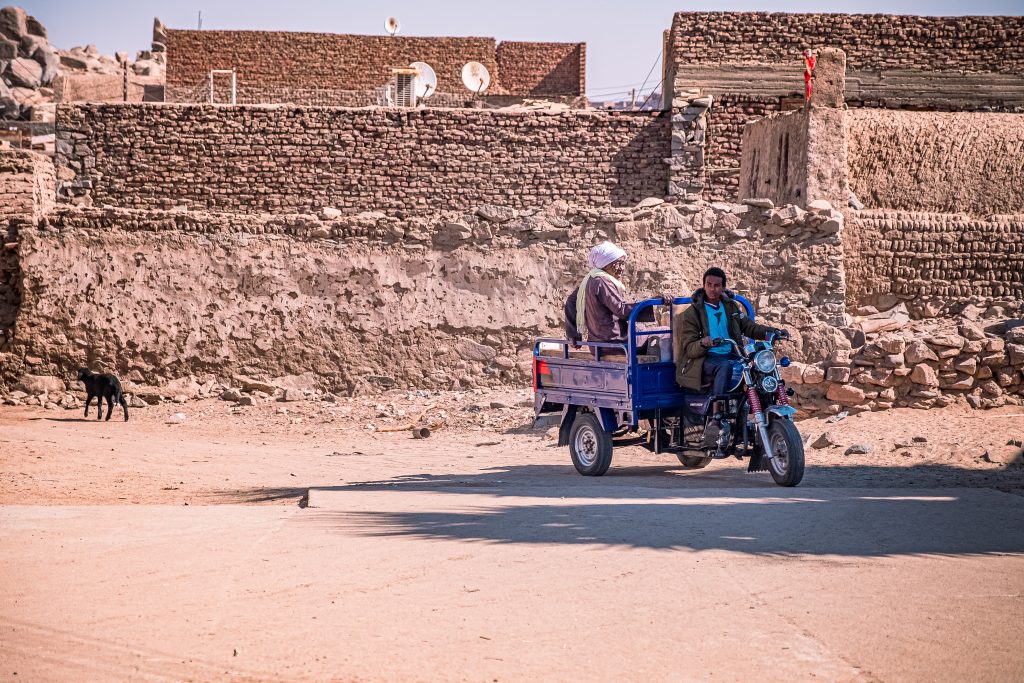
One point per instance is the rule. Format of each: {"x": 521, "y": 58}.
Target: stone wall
{"x": 275, "y": 64}
{"x": 455, "y": 299}
{"x": 873, "y": 42}
{"x": 933, "y": 259}
{"x": 284, "y": 159}
{"x": 976, "y": 360}
{"x": 536, "y": 69}
{"x": 938, "y": 162}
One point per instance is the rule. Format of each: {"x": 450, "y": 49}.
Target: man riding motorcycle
{"x": 701, "y": 365}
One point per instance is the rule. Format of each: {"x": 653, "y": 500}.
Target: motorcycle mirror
{"x": 785, "y": 361}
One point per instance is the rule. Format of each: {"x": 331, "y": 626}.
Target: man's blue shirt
{"x": 718, "y": 327}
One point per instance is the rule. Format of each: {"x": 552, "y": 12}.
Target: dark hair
{"x": 714, "y": 271}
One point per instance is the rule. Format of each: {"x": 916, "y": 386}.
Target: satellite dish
{"x": 426, "y": 80}
{"x": 391, "y": 25}
{"x": 475, "y": 77}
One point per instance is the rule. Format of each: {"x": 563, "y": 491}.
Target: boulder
{"x": 650, "y": 202}
{"x": 495, "y": 214}
{"x": 822, "y": 207}
{"x": 859, "y": 449}
{"x": 845, "y": 394}
{"x": 8, "y": 51}
{"x": 25, "y": 72}
{"x": 34, "y": 27}
{"x": 971, "y": 330}
{"x": 924, "y": 375}
{"x": 13, "y": 23}
{"x": 947, "y": 339}
{"x": 470, "y": 350}
{"x": 231, "y": 395}
{"x": 183, "y": 386}
{"x": 813, "y": 375}
{"x": 760, "y": 203}
{"x": 917, "y": 351}
{"x": 307, "y": 382}
{"x": 825, "y": 440}
{"x": 1016, "y": 353}
{"x": 35, "y": 385}
{"x": 968, "y": 365}
{"x": 252, "y": 384}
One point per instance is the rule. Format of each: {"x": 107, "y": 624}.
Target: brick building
{"x": 348, "y": 70}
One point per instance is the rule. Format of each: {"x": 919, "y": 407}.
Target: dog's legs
{"x": 99, "y": 406}
{"x": 124, "y": 404}
{"x": 88, "y": 400}
{"x": 110, "y": 405}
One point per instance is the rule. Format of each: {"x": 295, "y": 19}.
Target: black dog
{"x": 102, "y": 387}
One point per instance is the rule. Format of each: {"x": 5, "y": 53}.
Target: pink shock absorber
{"x": 754, "y": 400}
{"x": 780, "y": 395}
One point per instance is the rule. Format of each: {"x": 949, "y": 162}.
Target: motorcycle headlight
{"x": 769, "y": 384}
{"x": 765, "y": 361}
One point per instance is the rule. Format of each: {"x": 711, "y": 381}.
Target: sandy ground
{"x": 253, "y": 544}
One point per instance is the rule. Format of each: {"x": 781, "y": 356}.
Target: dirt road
{"x": 149, "y": 551}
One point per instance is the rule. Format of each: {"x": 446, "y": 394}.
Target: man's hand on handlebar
{"x": 708, "y": 342}
{"x": 779, "y": 333}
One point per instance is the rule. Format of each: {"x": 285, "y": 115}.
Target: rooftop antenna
{"x": 475, "y": 77}
{"x": 391, "y": 25}
{"x": 199, "y": 26}
{"x": 426, "y": 80}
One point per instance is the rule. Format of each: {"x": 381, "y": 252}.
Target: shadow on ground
{"x": 864, "y": 524}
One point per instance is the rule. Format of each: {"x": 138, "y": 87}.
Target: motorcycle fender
{"x": 568, "y": 416}
{"x": 786, "y": 412}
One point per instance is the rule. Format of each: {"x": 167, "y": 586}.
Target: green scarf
{"x": 581, "y": 298}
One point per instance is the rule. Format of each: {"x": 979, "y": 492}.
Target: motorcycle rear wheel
{"x": 787, "y": 467}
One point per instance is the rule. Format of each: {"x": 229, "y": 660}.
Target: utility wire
{"x": 661, "y": 53}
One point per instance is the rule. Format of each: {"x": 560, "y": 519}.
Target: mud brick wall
{"x": 726, "y": 119}
{"x": 872, "y": 42}
{"x": 535, "y": 69}
{"x": 275, "y": 64}
{"x": 943, "y": 258}
{"x": 282, "y": 159}
{"x": 317, "y": 60}
{"x": 941, "y": 162}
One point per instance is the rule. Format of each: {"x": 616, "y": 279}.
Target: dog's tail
{"x": 124, "y": 403}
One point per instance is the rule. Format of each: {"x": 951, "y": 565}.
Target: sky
{"x": 623, "y": 38}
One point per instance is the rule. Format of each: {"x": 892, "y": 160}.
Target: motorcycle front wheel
{"x": 787, "y": 467}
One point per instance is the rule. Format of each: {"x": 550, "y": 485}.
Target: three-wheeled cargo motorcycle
{"x": 620, "y": 394}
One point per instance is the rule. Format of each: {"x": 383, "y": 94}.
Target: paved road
{"x": 480, "y": 578}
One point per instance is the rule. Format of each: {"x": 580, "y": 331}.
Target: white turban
{"x": 603, "y": 254}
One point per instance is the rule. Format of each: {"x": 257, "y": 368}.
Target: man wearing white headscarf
{"x": 597, "y": 310}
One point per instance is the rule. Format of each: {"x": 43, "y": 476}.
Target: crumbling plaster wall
{"x": 282, "y": 159}
{"x": 940, "y": 162}
{"x": 454, "y": 300}
{"x": 27, "y": 192}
